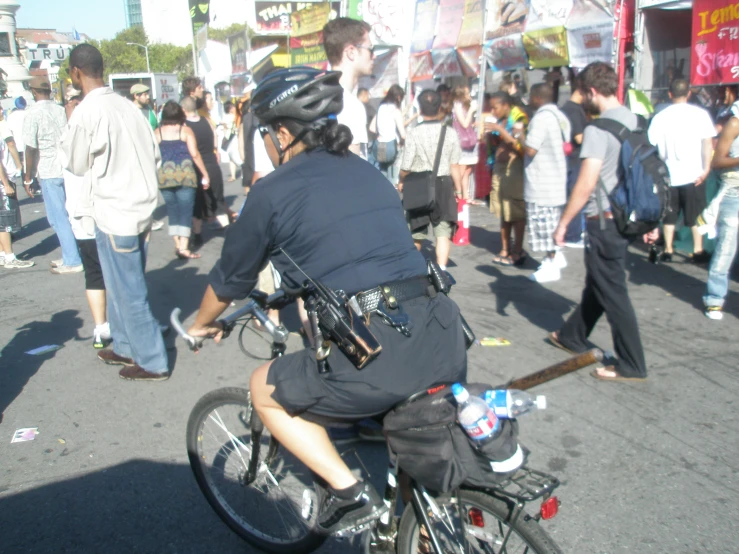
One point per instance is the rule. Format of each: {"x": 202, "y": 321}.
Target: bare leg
{"x": 505, "y": 237}
{"x": 232, "y": 167}
{"x": 519, "y": 229}
{"x": 418, "y": 244}
{"x": 308, "y": 441}
{"x": 6, "y": 243}
{"x": 443, "y": 248}
{"x": 96, "y": 300}
{"x": 669, "y": 233}
{"x": 466, "y": 172}
{"x": 697, "y": 240}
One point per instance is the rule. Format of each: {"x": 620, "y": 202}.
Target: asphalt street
{"x": 645, "y": 467}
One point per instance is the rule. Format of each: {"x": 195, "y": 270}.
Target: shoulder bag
{"x": 419, "y": 188}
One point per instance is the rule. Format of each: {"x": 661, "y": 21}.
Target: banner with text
{"x": 715, "y": 53}
{"x": 590, "y": 43}
{"x": 310, "y": 20}
{"x": 506, "y": 53}
{"x": 424, "y": 25}
{"x": 547, "y": 47}
{"x": 448, "y": 24}
{"x": 308, "y": 50}
{"x": 471, "y": 32}
{"x": 237, "y": 49}
{"x": 273, "y": 18}
{"x": 505, "y": 17}
{"x": 199, "y": 14}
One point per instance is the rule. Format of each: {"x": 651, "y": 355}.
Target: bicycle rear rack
{"x": 527, "y": 485}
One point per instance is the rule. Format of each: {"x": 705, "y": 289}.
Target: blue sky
{"x": 100, "y": 19}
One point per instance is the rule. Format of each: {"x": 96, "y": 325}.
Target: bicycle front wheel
{"x": 277, "y": 510}
{"x": 475, "y": 522}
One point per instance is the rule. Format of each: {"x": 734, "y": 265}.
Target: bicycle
{"x": 242, "y": 470}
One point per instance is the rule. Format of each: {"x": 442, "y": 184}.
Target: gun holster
{"x": 442, "y": 282}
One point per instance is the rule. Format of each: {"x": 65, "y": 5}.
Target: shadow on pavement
{"x": 684, "y": 287}
{"x": 537, "y": 304}
{"x": 46, "y": 246}
{"x": 17, "y": 367}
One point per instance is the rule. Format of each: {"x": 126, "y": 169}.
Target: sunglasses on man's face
{"x": 371, "y": 49}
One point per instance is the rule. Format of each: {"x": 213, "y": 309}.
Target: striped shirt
{"x": 545, "y": 175}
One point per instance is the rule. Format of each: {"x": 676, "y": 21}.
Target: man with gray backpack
{"x": 621, "y": 202}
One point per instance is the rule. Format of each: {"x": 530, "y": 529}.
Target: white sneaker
{"x": 56, "y": 263}
{"x": 547, "y": 273}
{"x": 578, "y": 244}
{"x": 560, "y": 262}
{"x": 714, "y": 312}
{"x": 101, "y": 338}
{"x": 18, "y": 264}
{"x": 156, "y": 225}
{"x": 2, "y": 261}
{"x": 65, "y": 269}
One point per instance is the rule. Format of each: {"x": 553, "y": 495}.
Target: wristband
{"x": 28, "y": 184}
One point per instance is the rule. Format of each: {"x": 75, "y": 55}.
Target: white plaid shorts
{"x": 543, "y": 221}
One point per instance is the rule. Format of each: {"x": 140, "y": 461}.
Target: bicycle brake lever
{"x": 194, "y": 343}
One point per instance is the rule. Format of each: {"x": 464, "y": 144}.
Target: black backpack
{"x": 640, "y": 200}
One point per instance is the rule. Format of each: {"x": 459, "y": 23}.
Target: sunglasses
{"x": 370, "y": 48}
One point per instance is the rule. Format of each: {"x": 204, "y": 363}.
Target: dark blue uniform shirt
{"x": 337, "y": 216}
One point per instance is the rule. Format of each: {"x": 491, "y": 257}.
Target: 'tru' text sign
{"x": 54, "y": 53}
{"x": 715, "y": 53}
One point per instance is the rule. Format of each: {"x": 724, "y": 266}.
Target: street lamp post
{"x": 146, "y": 49}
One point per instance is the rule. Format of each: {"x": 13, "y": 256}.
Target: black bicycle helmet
{"x": 301, "y": 93}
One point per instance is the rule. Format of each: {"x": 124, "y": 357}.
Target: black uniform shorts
{"x": 689, "y": 198}
{"x": 88, "y": 249}
{"x": 434, "y": 353}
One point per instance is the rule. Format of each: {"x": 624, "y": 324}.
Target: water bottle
{"x": 511, "y": 403}
{"x": 475, "y": 417}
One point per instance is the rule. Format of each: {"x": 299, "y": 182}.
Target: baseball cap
{"x": 40, "y": 83}
{"x": 139, "y": 89}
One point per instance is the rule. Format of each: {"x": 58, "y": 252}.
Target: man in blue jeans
{"x": 43, "y": 127}
{"x": 110, "y": 141}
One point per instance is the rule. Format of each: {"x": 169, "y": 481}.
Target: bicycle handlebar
{"x": 278, "y": 332}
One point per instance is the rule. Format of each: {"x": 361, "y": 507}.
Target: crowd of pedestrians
{"x": 549, "y": 168}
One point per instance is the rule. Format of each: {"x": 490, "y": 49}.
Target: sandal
{"x": 615, "y": 377}
{"x": 186, "y": 255}
{"x": 501, "y": 259}
{"x": 554, "y": 341}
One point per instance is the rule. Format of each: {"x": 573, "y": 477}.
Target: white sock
{"x": 9, "y": 257}
{"x": 442, "y": 267}
{"x": 103, "y": 329}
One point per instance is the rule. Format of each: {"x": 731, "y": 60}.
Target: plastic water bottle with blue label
{"x": 512, "y": 403}
{"x": 475, "y": 417}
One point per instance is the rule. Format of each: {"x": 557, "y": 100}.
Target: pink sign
{"x": 715, "y": 55}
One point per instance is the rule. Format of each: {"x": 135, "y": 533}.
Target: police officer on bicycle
{"x": 343, "y": 223}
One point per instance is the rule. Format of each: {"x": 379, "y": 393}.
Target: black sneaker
{"x": 701, "y": 257}
{"x": 665, "y": 257}
{"x": 340, "y": 515}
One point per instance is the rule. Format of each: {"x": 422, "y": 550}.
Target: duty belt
{"x": 392, "y": 294}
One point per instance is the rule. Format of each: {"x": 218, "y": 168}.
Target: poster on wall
{"x": 199, "y": 14}
{"x": 506, "y": 53}
{"x": 308, "y": 50}
{"x": 546, "y": 14}
{"x": 389, "y": 20}
{"x": 421, "y": 67}
{"x": 451, "y": 13}
{"x": 310, "y": 20}
{"x": 446, "y": 63}
{"x": 471, "y": 32}
{"x": 237, "y": 49}
{"x": 590, "y": 43}
{"x": 505, "y": 17}
{"x": 424, "y": 25}
{"x": 384, "y": 74}
{"x": 715, "y": 43}
{"x": 273, "y": 18}
{"x": 546, "y": 48}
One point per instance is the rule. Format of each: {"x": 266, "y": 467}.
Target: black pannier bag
{"x": 428, "y": 444}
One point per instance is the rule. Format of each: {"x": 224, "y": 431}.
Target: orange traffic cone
{"x": 462, "y": 236}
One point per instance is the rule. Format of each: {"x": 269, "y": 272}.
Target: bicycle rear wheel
{"x": 277, "y": 511}
{"x": 482, "y": 523}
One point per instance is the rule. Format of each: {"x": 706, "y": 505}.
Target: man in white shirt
{"x": 349, "y": 50}
{"x": 683, "y": 135}
{"x": 108, "y": 137}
